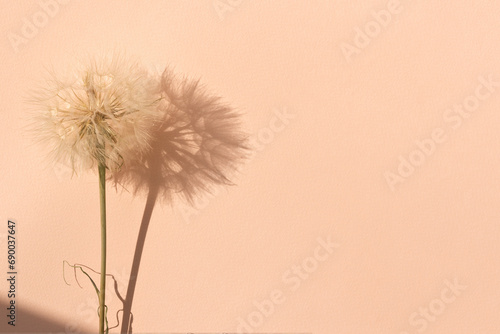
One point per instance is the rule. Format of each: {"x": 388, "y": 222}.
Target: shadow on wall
{"x": 30, "y": 321}
{"x": 196, "y": 144}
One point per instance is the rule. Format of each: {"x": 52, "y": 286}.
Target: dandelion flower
{"x": 91, "y": 119}
{"x": 97, "y": 113}
{"x": 156, "y": 134}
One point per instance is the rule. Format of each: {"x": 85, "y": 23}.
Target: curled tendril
{"x": 81, "y": 266}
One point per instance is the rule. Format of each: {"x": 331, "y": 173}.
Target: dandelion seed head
{"x": 97, "y": 112}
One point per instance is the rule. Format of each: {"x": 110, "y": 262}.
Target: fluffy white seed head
{"x": 97, "y": 113}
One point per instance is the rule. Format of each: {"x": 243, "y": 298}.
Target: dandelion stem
{"x": 102, "y": 290}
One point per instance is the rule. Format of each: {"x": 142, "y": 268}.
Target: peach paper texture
{"x": 371, "y": 203}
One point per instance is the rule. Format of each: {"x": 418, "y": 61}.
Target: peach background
{"x": 322, "y": 175}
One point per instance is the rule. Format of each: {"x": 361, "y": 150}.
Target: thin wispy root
{"x": 81, "y": 266}
{"x": 95, "y": 287}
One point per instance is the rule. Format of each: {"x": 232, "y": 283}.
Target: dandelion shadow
{"x": 141, "y": 239}
{"x": 196, "y": 143}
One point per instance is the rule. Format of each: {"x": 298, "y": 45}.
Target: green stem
{"x": 102, "y": 290}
